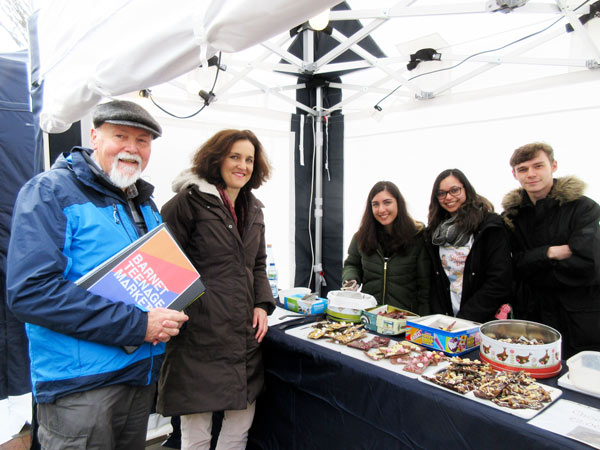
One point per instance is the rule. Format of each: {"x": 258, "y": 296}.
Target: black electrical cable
{"x": 378, "y": 108}
{"x": 206, "y": 100}
{"x": 594, "y": 12}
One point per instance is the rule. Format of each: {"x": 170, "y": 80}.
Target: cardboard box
{"x": 295, "y": 303}
{"x": 345, "y": 306}
{"x": 428, "y": 331}
{"x": 374, "y": 321}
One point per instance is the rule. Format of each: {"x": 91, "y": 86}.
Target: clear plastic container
{"x": 584, "y": 371}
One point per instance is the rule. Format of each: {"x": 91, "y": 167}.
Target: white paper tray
{"x": 523, "y": 413}
{"x": 274, "y": 318}
{"x": 302, "y": 333}
{"x": 565, "y": 382}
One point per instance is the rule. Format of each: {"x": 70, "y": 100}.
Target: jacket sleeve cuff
{"x": 550, "y": 261}
{"x": 268, "y": 307}
{"x": 140, "y": 330}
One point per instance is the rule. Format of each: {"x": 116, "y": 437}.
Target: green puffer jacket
{"x": 401, "y": 281}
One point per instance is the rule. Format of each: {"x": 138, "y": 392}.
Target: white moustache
{"x": 127, "y": 157}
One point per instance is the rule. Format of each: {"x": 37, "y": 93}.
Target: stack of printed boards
{"x": 512, "y": 392}
{"x": 151, "y": 272}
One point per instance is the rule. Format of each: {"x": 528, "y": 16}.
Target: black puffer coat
{"x": 215, "y": 363}
{"x": 487, "y": 274}
{"x": 562, "y": 294}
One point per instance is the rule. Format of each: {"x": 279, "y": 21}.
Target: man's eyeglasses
{"x": 454, "y": 191}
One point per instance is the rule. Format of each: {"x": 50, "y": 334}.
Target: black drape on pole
{"x": 333, "y": 185}
{"x": 332, "y": 169}
{"x": 17, "y": 150}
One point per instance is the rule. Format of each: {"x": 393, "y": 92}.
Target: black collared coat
{"x": 487, "y": 274}
{"x": 562, "y": 294}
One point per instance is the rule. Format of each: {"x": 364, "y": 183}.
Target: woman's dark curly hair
{"x": 209, "y": 158}
{"x": 403, "y": 228}
{"x": 470, "y": 214}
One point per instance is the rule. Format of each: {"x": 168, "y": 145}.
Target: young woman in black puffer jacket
{"x": 471, "y": 269}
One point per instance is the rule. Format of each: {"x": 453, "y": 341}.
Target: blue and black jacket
{"x": 66, "y": 222}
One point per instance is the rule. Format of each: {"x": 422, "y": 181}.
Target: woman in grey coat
{"x": 215, "y": 364}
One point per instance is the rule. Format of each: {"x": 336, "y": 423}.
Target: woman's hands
{"x": 260, "y": 322}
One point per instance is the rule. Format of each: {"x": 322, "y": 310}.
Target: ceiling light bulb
{"x": 320, "y": 21}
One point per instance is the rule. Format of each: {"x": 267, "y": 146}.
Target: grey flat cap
{"x": 123, "y": 112}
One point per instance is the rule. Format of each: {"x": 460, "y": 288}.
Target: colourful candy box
{"x": 313, "y": 305}
{"x": 431, "y": 332}
{"x": 374, "y": 321}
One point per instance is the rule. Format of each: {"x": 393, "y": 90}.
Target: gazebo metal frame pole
{"x": 318, "y": 266}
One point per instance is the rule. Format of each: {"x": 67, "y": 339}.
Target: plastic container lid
{"x": 351, "y": 299}
{"x": 584, "y": 371}
{"x": 292, "y": 291}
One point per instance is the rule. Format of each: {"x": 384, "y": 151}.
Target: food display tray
{"x": 281, "y": 315}
{"x": 523, "y": 413}
{"x": 565, "y": 382}
{"x": 302, "y": 332}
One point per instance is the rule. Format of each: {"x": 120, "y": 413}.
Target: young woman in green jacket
{"x": 387, "y": 254}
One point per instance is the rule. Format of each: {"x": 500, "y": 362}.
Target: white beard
{"x": 124, "y": 177}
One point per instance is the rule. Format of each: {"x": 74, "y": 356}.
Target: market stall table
{"x": 318, "y": 398}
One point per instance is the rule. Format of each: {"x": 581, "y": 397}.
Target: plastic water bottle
{"x": 272, "y": 271}
{"x": 272, "y": 275}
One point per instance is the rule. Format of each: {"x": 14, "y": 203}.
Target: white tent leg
{"x": 319, "y": 191}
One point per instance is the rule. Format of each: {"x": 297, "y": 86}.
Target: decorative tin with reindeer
{"x": 514, "y": 345}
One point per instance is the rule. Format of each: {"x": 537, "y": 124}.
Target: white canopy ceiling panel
{"x": 90, "y": 49}
{"x": 486, "y": 50}
{"x": 482, "y": 51}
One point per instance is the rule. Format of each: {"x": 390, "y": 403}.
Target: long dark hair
{"x": 403, "y": 227}
{"x": 470, "y": 214}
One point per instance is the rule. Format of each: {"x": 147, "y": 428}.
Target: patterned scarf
{"x": 448, "y": 233}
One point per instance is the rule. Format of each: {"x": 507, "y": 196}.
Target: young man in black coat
{"x": 555, "y": 241}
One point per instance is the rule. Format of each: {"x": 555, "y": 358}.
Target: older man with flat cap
{"x": 90, "y": 391}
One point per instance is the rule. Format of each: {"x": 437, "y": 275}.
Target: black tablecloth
{"x": 316, "y": 398}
